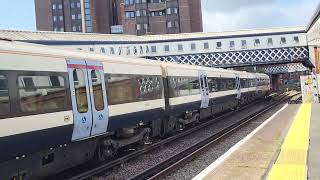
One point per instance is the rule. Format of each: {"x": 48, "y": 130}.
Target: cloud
{"x": 231, "y": 5}
{"x": 248, "y": 14}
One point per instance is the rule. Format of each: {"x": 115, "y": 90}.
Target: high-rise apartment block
{"x": 161, "y": 16}
{"x": 77, "y": 15}
{"x": 136, "y": 17}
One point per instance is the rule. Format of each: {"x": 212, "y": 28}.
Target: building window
{"x": 296, "y": 39}
{"x": 60, "y": 6}
{"x": 54, "y": 6}
{"x": 153, "y": 49}
{"x": 73, "y": 16}
{"x": 270, "y": 42}
{"x": 129, "y": 2}
{"x": 145, "y": 26}
{"x": 138, "y": 27}
{"x": 78, "y": 4}
{"x": 89, "y": 29}
{"x": 60, "y": 18}
{"x": 103, "y": 50}
{"x": 283, "y": 40}
{"x": 62, "y": 29}
{"x": 206, "y": 45}
{"x": 166, "y": 48}
{"x": 140, "y": 1}
{"x": 172, "y": 10}
{"x": 157, "y": 13}
{"x": 54, "y": 18}
{"x": 130, "y": 14}
{"x": 180, "y": 47}
{"x": 232, "y": 45}
{"x": 142, "y": 27}
{"x": 74, "y": 28}
{"x": 193, "y": 46}
{"x": 72, "y": 5}
{"x": 257, "y": 42}
{"x": 171, "y": 24}
{"x": 243, "y": 44}
{"x": 219, "y": 45}
{"x": 157, "y": 1}
{"x": 79, "y": 16}
{"x": 91, "y": 49}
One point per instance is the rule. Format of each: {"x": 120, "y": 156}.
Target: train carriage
{"x": 60, "y": 108}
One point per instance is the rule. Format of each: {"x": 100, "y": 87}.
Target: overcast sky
{"x": 218, "y": 15}
{"x": 226, "y": 15}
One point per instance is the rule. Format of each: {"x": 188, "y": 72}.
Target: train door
{"x": 88, "y": 95}
{"x": 238, "y": 86}
{"x": 204, "y": 88}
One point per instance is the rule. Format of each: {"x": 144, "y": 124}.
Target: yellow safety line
{"x": 291, "y": 163}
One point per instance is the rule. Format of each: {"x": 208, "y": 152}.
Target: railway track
{"x": 168, "y": 165}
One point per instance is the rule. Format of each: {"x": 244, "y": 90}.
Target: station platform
{"x": 285, "y": 146}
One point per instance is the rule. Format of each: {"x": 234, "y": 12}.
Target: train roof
{"x": 59, "y": 53}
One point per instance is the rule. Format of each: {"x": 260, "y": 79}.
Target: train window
{"x": 103, "y": 50}
{"x": 180, "y": 47}
{"x": 184, "y": 86}
{"x": 111, "y": 50}
{"x": 206, "y": 45}
{"x": 42, "y": 93}
{"x": 97, "y": 90}
{"x": 213, "y": 84}
{"x": 55, "y": 82}
{"x": 133, "y": 88}
{"x": 166, "y": 48}
{"x": 244, "y": 83}
{"x": 28, "y": 82}
{"x": 80, "y": 90}
{"x": 153, "y": 49}
{"x": 231, "y": 83}
{"x": 4, "y": 96}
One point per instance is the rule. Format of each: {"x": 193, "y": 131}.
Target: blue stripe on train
{"x": 131, "y": 119}
{"x": 31, "y": 142}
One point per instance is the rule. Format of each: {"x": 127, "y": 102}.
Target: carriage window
{"x": 124, "y": 88}
{"x": 244, "y": 83}
{"x": 80, "y": 90}
{"x": 184, "y": 86}
{"x": 213, "y": 84}
{"x": 42, "y": 93}
{"x": 4, "y": 96}
{"x": 97, "y": 90}
{"x": 231, "y": 83}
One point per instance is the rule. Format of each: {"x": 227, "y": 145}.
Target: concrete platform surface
{"x": 254, "y": 156}
{"x": 314, "y": 148}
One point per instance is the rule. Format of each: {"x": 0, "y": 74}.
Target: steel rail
{"x": 109, "y": 165}
{"x": 173, "y": 163}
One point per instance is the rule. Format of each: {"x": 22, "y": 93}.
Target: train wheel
{"x": 106, "y": 152}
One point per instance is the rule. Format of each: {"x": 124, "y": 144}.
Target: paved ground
{"x": 252, "y": 160}
{"x": 314, "y": 148}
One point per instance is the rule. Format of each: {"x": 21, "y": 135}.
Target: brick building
{"x": 161, "y": 16}
{"x": 97, "y": 16}
{"x": 137, "y": 17}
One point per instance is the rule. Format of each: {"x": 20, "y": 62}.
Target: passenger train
{"x": 60, "y": 108}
